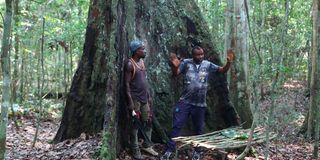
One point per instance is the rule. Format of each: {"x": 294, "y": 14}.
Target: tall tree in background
{"x": 314, "y": 111}
{"x": 238, "y": 38}
{"x": 308, "y": 127}
{"x": 315, "y": 73}
{"x": 15, "y": 76}
{"x": 5, "y": 65}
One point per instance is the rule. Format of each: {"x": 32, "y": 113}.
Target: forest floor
{"x": 291, "y": 107}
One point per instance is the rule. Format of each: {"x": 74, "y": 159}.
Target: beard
{"x": 144, "y": 55}
{"x": 198, "y": 61}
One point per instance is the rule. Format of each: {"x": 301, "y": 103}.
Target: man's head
{"x": 137, "y": 48}
{"x": 197, "y": 54}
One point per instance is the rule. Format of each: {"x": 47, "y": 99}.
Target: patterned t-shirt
{"x": 195, "y": 81}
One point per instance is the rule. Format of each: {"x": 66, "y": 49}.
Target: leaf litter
{"x": 292, "y": 106}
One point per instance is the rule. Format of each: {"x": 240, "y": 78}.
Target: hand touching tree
{"x": 174, "y": 60}
{"x": 230, "y": 55}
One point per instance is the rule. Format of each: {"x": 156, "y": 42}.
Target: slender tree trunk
{"x": 309, "y": 69}
{"x": 270, "y": 113}
{"x": 262, "y": 5}
{"x": 16, "y": 62}
{"x": 315, "y": 86}
{"x": 29, "y": 74}
{"x": 229, "y": 115}
{"x": 315, "y": 73}
{"x": 70, "y": 63}
{"x": 22, "y": 78}
{"x": 5, "y": 65}
{"x": 240, "y": 69}
{"x": 15, "y": 77}
{"x": 284, "y": 35}
{"x": 58, "y": 77}
{"x": 65, "y": 69}
{"x": 229, "y": 25}
{"x": 255, "y": 109}
{"x": 40, "y": 82}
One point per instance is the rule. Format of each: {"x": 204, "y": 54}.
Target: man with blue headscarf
{"x": 138, "y": 99}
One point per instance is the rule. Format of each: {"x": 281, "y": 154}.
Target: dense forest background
{"x": 56, "y": 47}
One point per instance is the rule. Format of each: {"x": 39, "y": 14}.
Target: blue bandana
{"x": 134, "y": 45}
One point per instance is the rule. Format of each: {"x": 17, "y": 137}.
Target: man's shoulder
{"x": 206, "y": 63}
{"x": 187, "y": 60}
{"x": 128, "y": 60}
{"x": 129, "y": 64}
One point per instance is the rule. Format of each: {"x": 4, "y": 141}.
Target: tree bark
{"x": 239, "y": 73}
{"x": 15, "y": 76}
{"x": 186, "y": 28}
{"x": 22, "y": 77}
{"x": 5, "y": 65}
{"x": 311, "y": 113}
{"x": 87, "y": 101}
{"x": 165, "y": 27}
{"x": 311, "y": 118}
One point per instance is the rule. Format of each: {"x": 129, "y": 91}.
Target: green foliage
{"x": 231, "y": 133}
{"x": 214, "y": 14}
{"x": 64, "y": 31}
{"x": 272, "y": 33}
{"x": 65, "y": 24}
{"x": 18, "y": 110}
{"x": 51, "y": 108}
{"x": 275, "y": 36}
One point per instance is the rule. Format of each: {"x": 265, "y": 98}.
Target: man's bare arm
{"x": 230, "y": 58}
{"x": 128, "y": 76}
{"x": 174, "y": 63}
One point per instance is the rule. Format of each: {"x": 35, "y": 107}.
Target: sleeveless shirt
{"x": 139, "y": 83}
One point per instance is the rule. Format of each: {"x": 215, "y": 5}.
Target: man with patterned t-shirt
{"x": 193, "y": 98}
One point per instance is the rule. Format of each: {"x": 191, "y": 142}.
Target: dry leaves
{"x": 19, "y": 143}
{"x": 289, "y": 115}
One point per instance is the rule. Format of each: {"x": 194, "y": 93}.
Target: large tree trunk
{"x": 164, "y": 26}
{"x": 174, "y": 26}
{"x": 87, "y": 101}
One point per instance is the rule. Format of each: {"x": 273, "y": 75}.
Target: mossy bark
{"x": 175, "y": 26}
{"x": 5, "y": 66}
{"x": 88, "y": 98}
{"x": 97, "y": 95}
